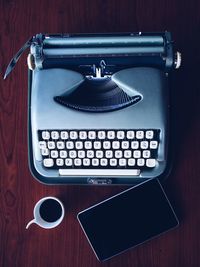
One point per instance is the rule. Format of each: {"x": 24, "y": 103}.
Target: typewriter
{"x": 98, "y": 107}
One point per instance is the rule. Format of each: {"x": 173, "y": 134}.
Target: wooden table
{"x": 66, "y": 245}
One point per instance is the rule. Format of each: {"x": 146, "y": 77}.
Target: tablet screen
{"x": 127, "y": 219}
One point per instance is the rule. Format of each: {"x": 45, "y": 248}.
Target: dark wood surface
{"x": 66, "y": 245}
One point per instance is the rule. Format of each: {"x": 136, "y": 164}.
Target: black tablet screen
{"x": 127, "y": 219}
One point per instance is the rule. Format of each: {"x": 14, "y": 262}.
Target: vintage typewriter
{"x": 98, "y": 106}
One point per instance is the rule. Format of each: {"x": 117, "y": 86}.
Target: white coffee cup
{"x": 41, "y": 221}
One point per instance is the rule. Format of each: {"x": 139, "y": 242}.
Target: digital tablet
{"x": 127, "y": 219}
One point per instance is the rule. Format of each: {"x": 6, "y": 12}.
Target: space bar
{"x": 98, "y": 172}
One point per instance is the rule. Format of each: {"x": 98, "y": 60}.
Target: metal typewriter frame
{"x": 89, "y": 180}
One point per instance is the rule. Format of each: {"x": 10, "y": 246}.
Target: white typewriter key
{"x": 115, "y": 145}
{"x": 83, "y": 135}
{"x": 42, "y": 144}
{"x": 125, "y": 144}
{"x": 48, "y": 162}
{"x": 111, "y": 134}
{"x": 120, "y": 134}
{"x": 109, "y": 154}
{"x": 97, "y": 145}
{"x": 69, "y": 145}
{"x": 91, "y": 134}
{"x": 106, "y": 144}
{"x": 134, "y": 144}
{"x": 118, "y": 154}
{"x": 149, "y": 134}
{"x": 88, "y": 145}
{"x": 77, "y": 162}
{"x": 144, "y": 144}
{"x": 72, "y": 154}
{"x": 54, "y": 154}
{"x": 127, "y": 153}
{"x": 99, "y": 154}
{"x": 81, "y": 154}
{"x": 45, "y": 135}
{"x": 54, "y": 135}
{"x": 90, "y": 154}
{"x": 122, "y": 162}
{"x": 51, "y": 145}
{"x": 99, "y": 172}
{"x": 79, "y": 145}
{"x": 68, "y": 162}
{"x": 95, "y": 162}
{"x": 101, "y": 134}
{"x": 113, "y": 162}
{"x": 63, "y": 153}
{"x": 64, "y": 135}
{"x": 151, "y": 163}
{"x": 153, "y": 144}
{"x": 137, "y": 154}
{"x": 73, "y": 135}
{"x": 104, "y": 162}
{"x": 146, "y": 154}
{"x": 130, "y": 134}
{"x": 140, "y": 134}
{"x": 59, "y": 162}
{"x": 131, "y": 162}
{"x": 44, "y": 152}
{"x": 140, "y": 162}
{"x": 60, "y": 145}
{"x": 86, "y": 162}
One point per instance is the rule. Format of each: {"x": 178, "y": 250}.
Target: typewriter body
{"x": 98, "y": 107}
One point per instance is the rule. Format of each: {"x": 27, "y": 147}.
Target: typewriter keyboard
{"x": 114, "y": 151}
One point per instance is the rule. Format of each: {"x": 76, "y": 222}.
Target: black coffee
{"x": 50, "y": 210}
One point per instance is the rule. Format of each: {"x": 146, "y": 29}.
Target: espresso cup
{"x": 48, "y": 213}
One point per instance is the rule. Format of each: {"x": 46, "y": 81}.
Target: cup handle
{"x": 31, "y": 222}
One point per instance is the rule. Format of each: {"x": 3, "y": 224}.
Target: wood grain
{"x": 66, "y": 245}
